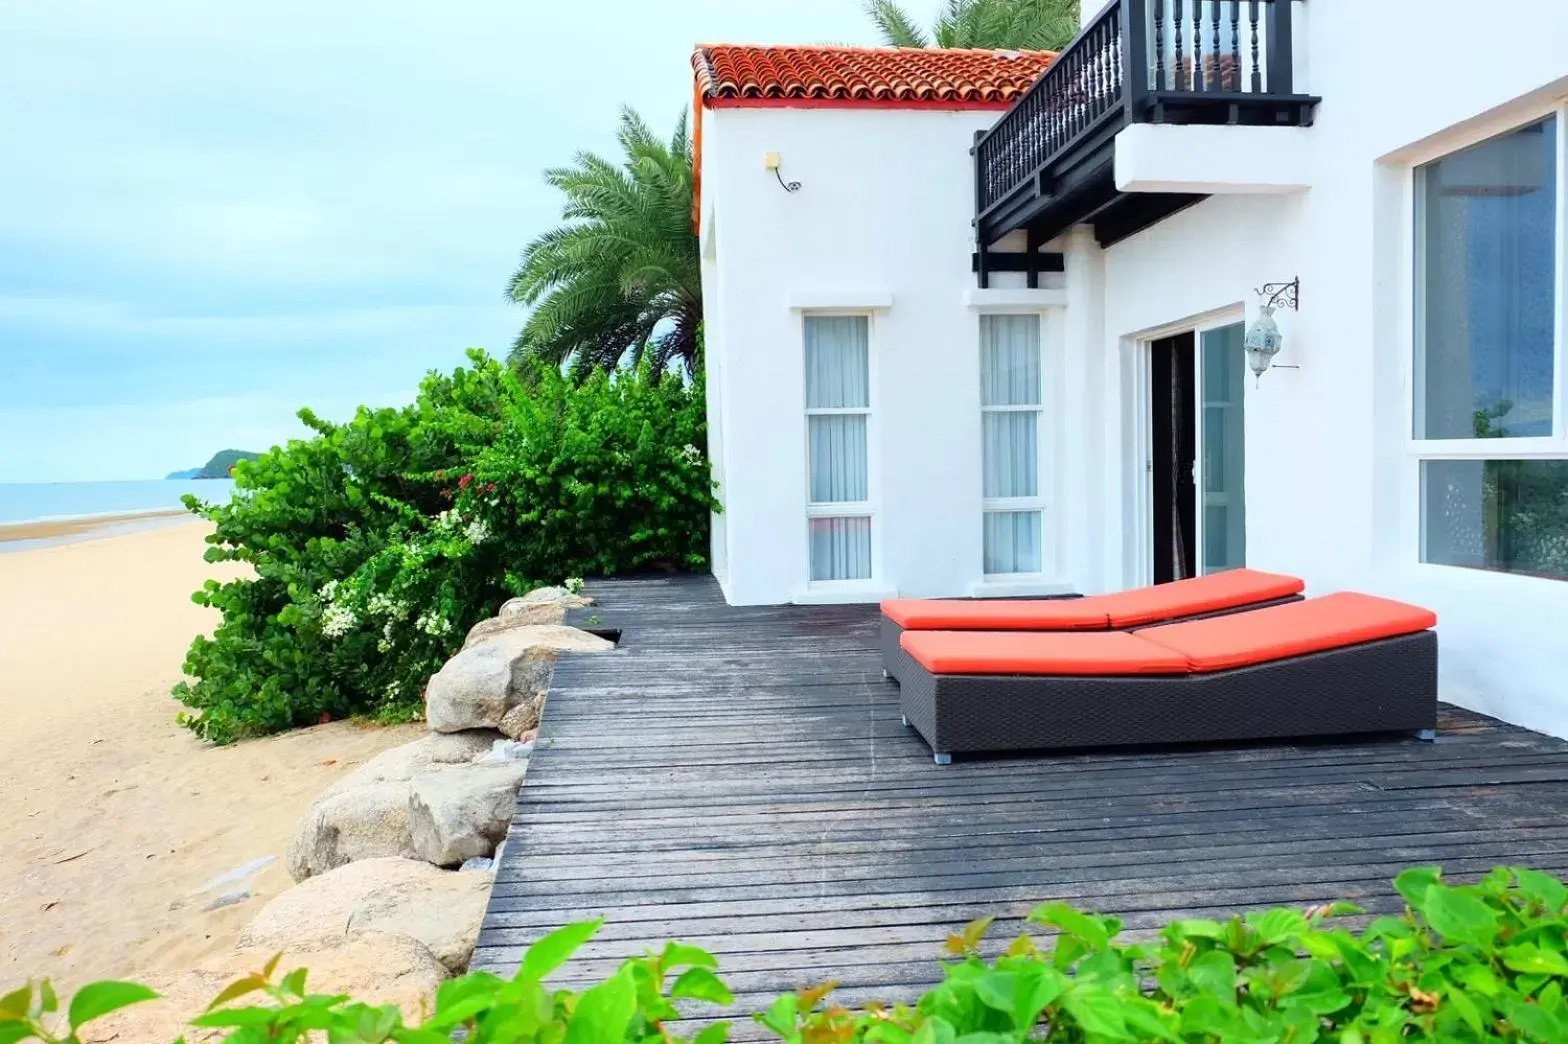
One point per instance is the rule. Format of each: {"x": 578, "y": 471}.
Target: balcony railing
{"x": 1141, "y": 61}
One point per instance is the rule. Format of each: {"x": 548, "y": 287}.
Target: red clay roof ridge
{"x": 875, "y": 48}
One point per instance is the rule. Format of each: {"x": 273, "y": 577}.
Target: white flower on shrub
{"x": 329, "y": 591}
{"x": 433, "y": 624}
{"x": 393, "y": 690}
{"x": 337, "y": 620}
{"x": 573, "y": 584}
{"x": 381, "y": 605}
{"x": 384, "y": 646}
{"x": 477, "y": 532}
{"x": 691, "y": 453}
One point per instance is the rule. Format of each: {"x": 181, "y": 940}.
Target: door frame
{"x": 1138, "y": 474}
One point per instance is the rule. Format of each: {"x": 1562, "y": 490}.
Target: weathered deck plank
{"x": 738, "y": 778}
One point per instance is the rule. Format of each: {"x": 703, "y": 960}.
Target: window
{"x": 1507, "y": 515}
{"x": 1010, "y": 398}
{"x": 838, "y": 417}
{"x": 1488, "y": 245}
{"x": 1488, "y": 410}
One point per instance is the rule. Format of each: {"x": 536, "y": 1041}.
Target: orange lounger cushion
{"x": 1042, "y": 653}
{"x": 1315, "y": 625}
{"x": 957, "y": 614}
{"x": 1214, "y": 593}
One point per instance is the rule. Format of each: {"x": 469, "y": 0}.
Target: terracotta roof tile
{"x": 894, "y": 77}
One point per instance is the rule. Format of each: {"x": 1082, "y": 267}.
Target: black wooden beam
{"x": 1136, "y": 211}
{"x": 1017, "y": 261}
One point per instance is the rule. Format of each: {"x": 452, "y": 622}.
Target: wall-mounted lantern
{"x": 1263, "y": 339}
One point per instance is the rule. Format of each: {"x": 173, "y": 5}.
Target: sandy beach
{"x": 115, "y": 818}
{"x": 72, "y": 529}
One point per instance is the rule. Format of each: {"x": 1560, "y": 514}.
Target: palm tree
{"x": 623, "y": 274}
{"x": 1028, "y": 25}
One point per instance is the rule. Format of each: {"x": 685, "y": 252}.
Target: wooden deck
{"x": 738, "y": 778}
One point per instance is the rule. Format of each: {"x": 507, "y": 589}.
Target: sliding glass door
{"x": 1222, "y": 522}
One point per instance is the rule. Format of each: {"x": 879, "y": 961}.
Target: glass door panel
{"x": 1222, "y": 440}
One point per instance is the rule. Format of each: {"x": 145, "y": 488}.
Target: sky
{"x": 213, "y": 212}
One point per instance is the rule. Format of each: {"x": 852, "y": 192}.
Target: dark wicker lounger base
{"x": 895, "y": 661}
{"x": 1383, "y": 686}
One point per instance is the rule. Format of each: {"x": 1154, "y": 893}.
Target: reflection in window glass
{"x": 1504, "y": 515}
{"x": 1486, "y": 298}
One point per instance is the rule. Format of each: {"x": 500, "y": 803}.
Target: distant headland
{"x": 219, "y": 467}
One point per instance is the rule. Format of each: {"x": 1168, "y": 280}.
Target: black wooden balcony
{"x": 1048, "y": 163}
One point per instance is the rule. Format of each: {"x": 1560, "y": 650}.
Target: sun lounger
{"x": 1344, "y": 663}
{"x": 1227, "y": 592}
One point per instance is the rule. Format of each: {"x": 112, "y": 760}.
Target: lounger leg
{"x": 903, "y": 719}
{"x": 884, "y": 674}
{"x": 942, "y": 759}
{"x": 1429, "y": 735}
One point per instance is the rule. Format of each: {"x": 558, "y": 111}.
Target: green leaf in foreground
{"x": 98, "y": 999}
{"x": 549, "y": 953}
{"x": 1472, "y": 962}
{"x": 700, "y": 984}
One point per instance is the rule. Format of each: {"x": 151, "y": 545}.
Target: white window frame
{"x": 866, "y": 509}
{"x": 1417, "y": 450}
{"x": 1044, "y": 479}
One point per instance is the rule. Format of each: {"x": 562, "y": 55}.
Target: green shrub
{"x": 1486, "y": 962}
{"x": 378, "y": 543}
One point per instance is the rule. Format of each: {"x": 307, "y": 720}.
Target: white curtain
{"x": 1010, "y": 360}
{"x": 1011, "y": 454}
{"x": 840, "y": 548}
{"x": 1012, "y": 542}
{"x": 837, "y": 354}
{"x": 838, "y": 458}
{"x": 1010, "y": 438}
{"x": 838, "y": 378}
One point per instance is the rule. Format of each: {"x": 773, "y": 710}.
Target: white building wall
{"x": 883, "y": 219}
{"x": 1331, "y": 475}
{"x": 881, "y": 223}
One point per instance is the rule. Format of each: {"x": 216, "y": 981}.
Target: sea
{"x": 59, "y": 501}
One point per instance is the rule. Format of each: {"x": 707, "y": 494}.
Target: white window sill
{"x": 1019, "y": 586}
{"x": 847, "y": 592}
{"x": 1485, "y": 581}
{"x": 1015, "y": 300}
{"x": 841, "y": 300}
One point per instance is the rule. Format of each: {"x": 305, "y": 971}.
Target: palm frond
{"x": 1038, "y": 25}
{"x": 622, "y": 276}
{"x": 897, "y": 27}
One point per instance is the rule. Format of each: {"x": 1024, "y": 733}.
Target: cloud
{"x": 211, "y": 213}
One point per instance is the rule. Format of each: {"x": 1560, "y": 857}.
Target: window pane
{"x": 1224, "y": 438}
{"x": 840, "y": 548}
{"x": 837, "y": 361}
{"x": 1010, "y": 454}
{"x": 1506, "y": 515}
{"x": 838, "y": 458}
{"x": 1012, "y": 542}
{"x": 1486, "y": 299}
{"x": 1010, "y": 360}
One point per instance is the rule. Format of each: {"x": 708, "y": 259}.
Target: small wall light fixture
{"x": 772, "y": 161}
{"x": 1263, "y": 339}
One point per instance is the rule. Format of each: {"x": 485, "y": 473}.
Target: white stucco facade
{"x": 881, "y": 227}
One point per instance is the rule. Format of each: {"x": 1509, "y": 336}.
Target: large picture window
{"x": 838, "y": 418}
{"x": 1488, "y": 381}
{"x": 1010, "y": 407}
